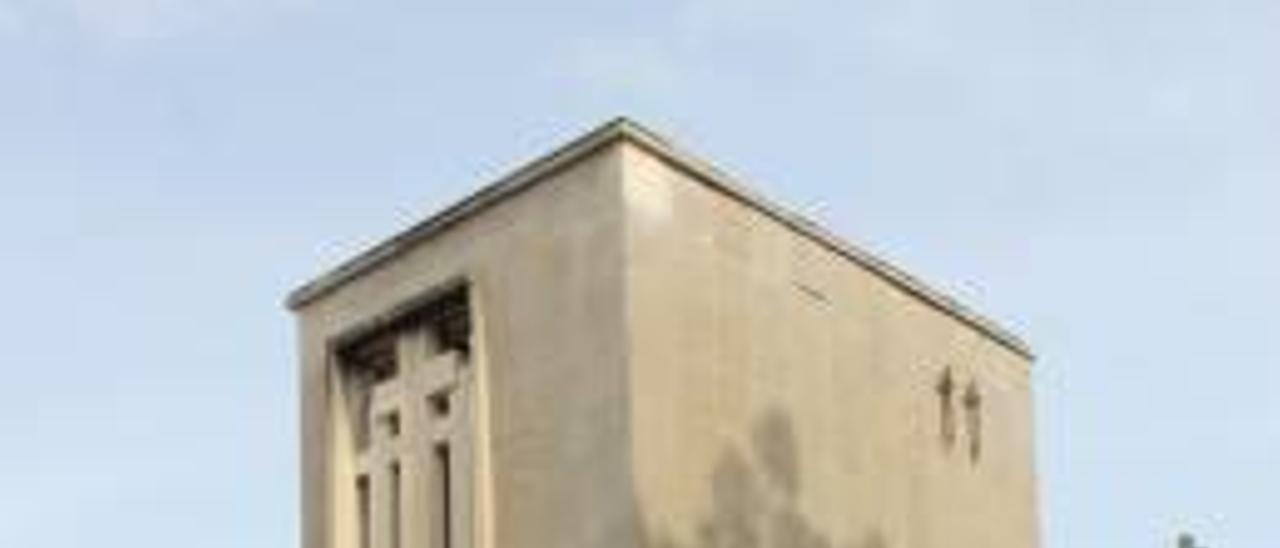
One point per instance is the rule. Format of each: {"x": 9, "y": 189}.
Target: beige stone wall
{"x": 784, "y": 397}
{"x": 553, "y": 451}
{"x": 660, "y": 365}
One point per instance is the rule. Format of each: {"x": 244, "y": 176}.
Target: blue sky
{"x": 1102, "y": 176}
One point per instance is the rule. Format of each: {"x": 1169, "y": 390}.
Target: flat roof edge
{"x": 621, "y": 129}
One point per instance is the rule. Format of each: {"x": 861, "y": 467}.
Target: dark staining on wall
{"x": 755, "y": 499}
{"x": 775, "y": 445}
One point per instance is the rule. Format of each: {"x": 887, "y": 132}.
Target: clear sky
{"x": 1103, "y": 176}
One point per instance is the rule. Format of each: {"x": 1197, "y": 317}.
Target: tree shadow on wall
{"x": 754, "y": 501}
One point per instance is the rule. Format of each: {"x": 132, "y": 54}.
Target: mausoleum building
{"x": 619, "y": 346}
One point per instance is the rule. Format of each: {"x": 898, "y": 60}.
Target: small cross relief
{"x": 971, "y": 401}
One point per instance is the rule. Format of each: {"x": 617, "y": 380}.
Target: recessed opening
{"x": 442, "y": 523}
{"x": 394, "y": 505}
{"x": 439, "y": 404}
{"x": 389, "y": 424}
{"x": 371, "y": 357}
{"x": 364, "y": 504}
{"x": 381, "y": 368}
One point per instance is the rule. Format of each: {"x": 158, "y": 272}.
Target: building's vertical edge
{"x": 646, "y": 204}
{"x": 484, "y": 509}
{"x": 320, "y": 443}
{"x": 1021, "y": 369}
{"x": 1037, "y": 524}
{"x": 635, "y": 535}
{"x": 313, "y": 486}
{"x": 621, "y": 175}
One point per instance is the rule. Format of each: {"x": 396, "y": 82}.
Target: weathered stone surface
{"x": 661, "y": 358}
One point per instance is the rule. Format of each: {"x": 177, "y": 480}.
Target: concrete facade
{"x": 619, "y": 346}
